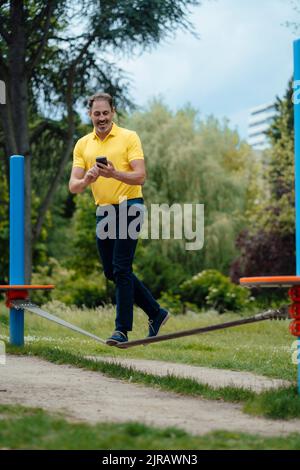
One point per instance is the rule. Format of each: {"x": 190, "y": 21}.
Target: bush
{"x": 211, "y": 289}
{"x": 155, "y": 269}
{"x": 87, "y": 291}
{"x": 71, "y": 287}
{"x": 265, "y": 253}
{"x": 172, "y": 303}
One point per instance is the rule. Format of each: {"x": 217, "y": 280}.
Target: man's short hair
{"x": 98, "y": 97}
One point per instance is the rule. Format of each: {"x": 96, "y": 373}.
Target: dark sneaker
{"x": 117, "y": 337}
{"x": 157, "y": 322}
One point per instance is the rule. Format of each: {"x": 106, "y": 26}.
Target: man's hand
{"x": 79, "y": 180}
{"x": 92, "y": 175}
{"x": 135, "y": 177}
{"x": 108, "y": 171}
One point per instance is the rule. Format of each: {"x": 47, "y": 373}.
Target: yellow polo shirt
{"x": 120, "y": 146}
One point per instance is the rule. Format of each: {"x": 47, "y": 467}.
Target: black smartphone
{"x": 102, "y": 160}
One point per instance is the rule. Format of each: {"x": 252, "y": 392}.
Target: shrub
{"x": 155, "y": 269}
{"x": 211, "y": 289}
{"x": 172, "y": 302}
{"x": 71, "y": 287}
{"x": 265, "y": 253}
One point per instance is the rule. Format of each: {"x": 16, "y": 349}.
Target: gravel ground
{"x": 92, "y": 397}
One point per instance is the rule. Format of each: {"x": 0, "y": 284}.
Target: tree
{"x": 188, "y": 160}
{"x": 281, "y": 163}
{"x": 197, "y": 161}
{"x": 268, "y": 246}
{"x": 49, "y": 59}
{"x": 4, "y": 229}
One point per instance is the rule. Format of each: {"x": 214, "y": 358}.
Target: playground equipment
{"x": 293, "y": 282}
{"x": 279, "y": 314}
{"x": 17, "y": 299}
{"x": 17, "y": 294}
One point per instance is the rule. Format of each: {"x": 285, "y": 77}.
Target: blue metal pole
{"x": 297, "y": 167}
{"x": 16, "y": 243}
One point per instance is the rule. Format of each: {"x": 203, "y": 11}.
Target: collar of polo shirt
{"x": 113, "y": 132}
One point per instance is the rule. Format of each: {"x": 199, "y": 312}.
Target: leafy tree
{"x": 83, "y": 256}
{"x": 52, "y": 54}
{"x": 268, "y": 246}
{"x": 281, "y": 172}
{"x": 193, "y": 160}
{"x": 264, "y": 253}
{"x": 4, "y": 229}
{"x": 188, "y": 160}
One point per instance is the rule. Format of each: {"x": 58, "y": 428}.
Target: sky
{"x": 244, "y": 58}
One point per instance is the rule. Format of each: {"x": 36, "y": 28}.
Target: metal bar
{"x": 16, "y": 243}
{"x": 297, "y": 169}
{"x": 281, "y": 313}
{"x": 19, "y": 304}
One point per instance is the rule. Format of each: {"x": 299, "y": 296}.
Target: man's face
{"x": 101, "y": 115}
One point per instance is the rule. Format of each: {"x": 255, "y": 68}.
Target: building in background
{"x": 260, "y": 120}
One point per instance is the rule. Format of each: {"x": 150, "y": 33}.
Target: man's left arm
{"x": 135, "y": 177}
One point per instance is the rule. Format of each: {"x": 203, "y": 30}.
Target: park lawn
{"x": 32, "y": 428}
{"x": 263, "y": 348}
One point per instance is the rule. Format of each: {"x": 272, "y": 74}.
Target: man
{"x": 120, "y": 180}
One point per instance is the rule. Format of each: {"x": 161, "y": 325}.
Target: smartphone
{"x": 102, "y": 160}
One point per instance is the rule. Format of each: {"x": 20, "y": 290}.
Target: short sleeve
{"x": 78, "y": 160}
{"x": 135, "y": 150}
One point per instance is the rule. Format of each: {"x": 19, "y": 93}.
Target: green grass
{"x": 280, "y": 404}
{"x": 263, "y": 348}
{"x": 29, "y": 428}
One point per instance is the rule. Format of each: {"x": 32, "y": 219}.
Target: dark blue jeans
{"x": 117, "y": 253}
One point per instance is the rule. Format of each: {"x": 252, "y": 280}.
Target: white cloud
{"x": 243, "y": 59}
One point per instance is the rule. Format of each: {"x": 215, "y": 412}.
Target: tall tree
{"x": 188, "y": 160}
{"x": 281, "y": 161}
{"x": 52, "y": 53}
{"x": 268, "y": 246}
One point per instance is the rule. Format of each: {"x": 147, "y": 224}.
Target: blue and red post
{"x": 16, "y": 243}
{"x": 297, "y": 169}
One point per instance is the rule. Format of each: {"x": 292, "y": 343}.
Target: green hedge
{"x": 71, "y": 287}
{"x": 211, "y": 289}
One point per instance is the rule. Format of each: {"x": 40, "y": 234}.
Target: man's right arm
{"x": 80, "y": 179}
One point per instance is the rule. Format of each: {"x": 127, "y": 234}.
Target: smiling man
{"x": 116, "y": 186}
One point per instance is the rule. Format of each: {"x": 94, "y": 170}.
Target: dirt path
{"x": 92, "y": 397}
{"x": 213, "y": 377}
